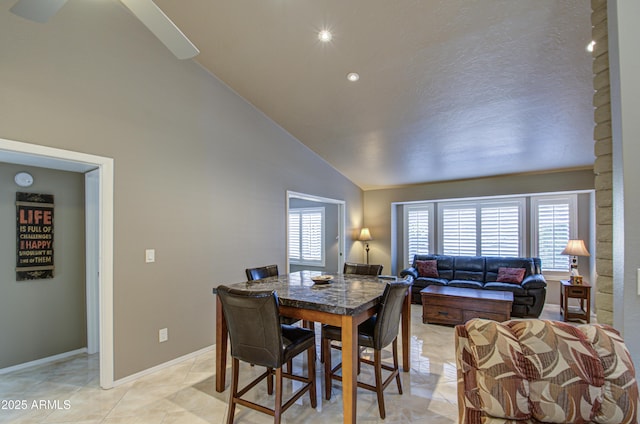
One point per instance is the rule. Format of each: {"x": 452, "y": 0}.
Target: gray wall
{"x": 41, "y": 318}
{"x": 200, "y": 175}
{"x": 624, "y": 34}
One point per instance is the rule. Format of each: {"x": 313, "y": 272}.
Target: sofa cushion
{"x": 425, "y": 282}
{"x": 516, "y": 289}
{"x": 510, "y": 275}
{"x": 494, "y": 263}
{"x": 427, "y": 268}
{"x": 445, "y": 264}
{"x": 469, "y": 268}
{"x": 468, "y": 284}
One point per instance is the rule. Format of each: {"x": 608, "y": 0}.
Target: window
{"x": 418, "y": 230}
{"x": 458, "y": 230}
{"x": 501, "y": 229}
{"x": 306, "y": 236}
{"x": 488, "y": 228}
{"x": 554, "y": 222}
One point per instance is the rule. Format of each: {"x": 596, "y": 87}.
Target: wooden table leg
{"x": 221, "y": 347}
{"x": 406, "y": 332}
{"x": 349, "y": 368}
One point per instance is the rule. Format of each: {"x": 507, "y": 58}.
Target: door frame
{"x": 341, "y": 223}
{"x": 47, "y": 157}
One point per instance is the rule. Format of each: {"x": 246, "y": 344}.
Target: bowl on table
{"x": 322, "y": 279}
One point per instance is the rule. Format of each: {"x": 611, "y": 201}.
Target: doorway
{"x": 99, "y": 176}
{"x": 334, "y": 251}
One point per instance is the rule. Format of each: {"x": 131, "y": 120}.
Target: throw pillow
{"x": 427, "y": 268}
{"x": 511, "y": 275}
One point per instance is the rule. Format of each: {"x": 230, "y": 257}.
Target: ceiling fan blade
{"x": 162, "y": 27}
{"x": 37, "y": 10}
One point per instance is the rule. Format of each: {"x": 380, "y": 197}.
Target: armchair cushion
{"x": 543, "y": 371}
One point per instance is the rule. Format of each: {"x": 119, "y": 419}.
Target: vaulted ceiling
{"x": 448, "y": 89}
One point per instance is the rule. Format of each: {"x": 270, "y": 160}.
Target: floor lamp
{"x": 365, "y": 235}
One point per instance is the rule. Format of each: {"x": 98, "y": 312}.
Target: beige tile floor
{"x": 184, "y": 393}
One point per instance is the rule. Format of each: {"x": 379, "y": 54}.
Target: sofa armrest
{"x": 534, "y": 281}
{"x": 409, "y": 272}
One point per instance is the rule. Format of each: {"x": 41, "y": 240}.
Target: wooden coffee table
{"x": 456, "y": 305}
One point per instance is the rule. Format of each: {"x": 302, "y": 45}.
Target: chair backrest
{"x": 388, "y": 318}
{"x": 261, "y": 272}
{"x": 362, "y": 269}
{"x": 254, "y": 325}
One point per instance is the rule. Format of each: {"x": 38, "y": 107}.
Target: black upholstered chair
{"x": 377, "y": 332}
{"x": 261, "y": 272}
{"x": 264, "y": 272}
{"x": 257, "y": 337}
{"x": 362, "y": 269}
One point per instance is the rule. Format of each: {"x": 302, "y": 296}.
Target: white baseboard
{"x": 168, "y": 364}
{"x": 42, "y": 361}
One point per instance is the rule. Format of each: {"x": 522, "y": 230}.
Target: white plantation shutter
{"x": 553, "y": 218}
{"x": 459, "y": 232}
{"x": 500, "y": 230}
{"x": 418, "y": 229}
{"x": 306, "y": 236}
{"x": 489, "y": 228}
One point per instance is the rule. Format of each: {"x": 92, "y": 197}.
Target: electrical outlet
{"x": 150, "y": 255}
{"x": 163, "y": 335}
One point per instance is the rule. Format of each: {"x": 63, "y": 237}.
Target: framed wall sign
{"x": 34, "y": 236}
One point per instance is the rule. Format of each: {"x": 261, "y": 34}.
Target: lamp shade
{"x": 575, "y": 248}
{"x": 365, "y": 235}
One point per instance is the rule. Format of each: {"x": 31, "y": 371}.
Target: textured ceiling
{"x": 449, "y": 89}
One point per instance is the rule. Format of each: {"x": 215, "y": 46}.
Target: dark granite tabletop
{"x": 347, "y": 294}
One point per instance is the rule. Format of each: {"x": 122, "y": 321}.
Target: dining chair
{"x": 264, "y": 272}
{"x": 257, "y": 337}
{"x": 362, "y": 269}
{"x": 261, "y": 272}
{"x": 355, "y": 268}
{"x": 377, "y": 333}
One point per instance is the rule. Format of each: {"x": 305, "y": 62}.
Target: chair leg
{"x": 233, "y": 390}
{"x": 277, "y": 410}
{"x": 311, "y": 363}
{"x": 270, "y": 381}
{"x": 326, "y": 350}
{"x": 395, "y": 364}
{"x": 377, "y": 360}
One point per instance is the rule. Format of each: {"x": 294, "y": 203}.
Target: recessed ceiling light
{"x": 325, "y": 36}
{"x": 591, "y": 46}
{"x": 353, "y": 76}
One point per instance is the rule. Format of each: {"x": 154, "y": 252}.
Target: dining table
{"x": 345, "y": 301}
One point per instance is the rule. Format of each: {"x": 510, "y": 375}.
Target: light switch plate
{"x": 150, "y": 255}
{"x": 163, "y": 335}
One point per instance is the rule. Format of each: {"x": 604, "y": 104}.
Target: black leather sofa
{"x": 481, "y": 272}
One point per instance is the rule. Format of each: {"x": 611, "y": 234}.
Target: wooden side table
{"x": 582, "y": 292}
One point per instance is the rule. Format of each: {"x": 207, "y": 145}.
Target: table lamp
{"x": 574, "y": 249}
{"x": 365, "y": 235}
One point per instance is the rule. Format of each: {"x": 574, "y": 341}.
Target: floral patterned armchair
{"x": 537, "y": 371}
